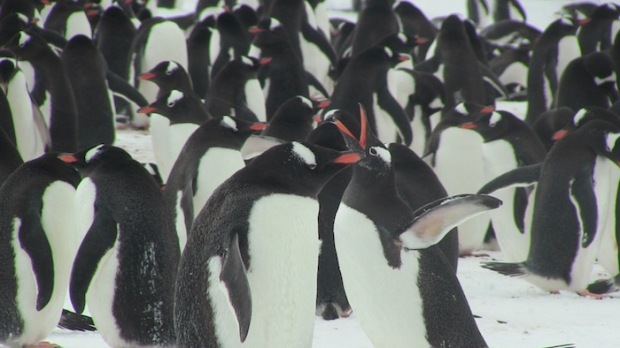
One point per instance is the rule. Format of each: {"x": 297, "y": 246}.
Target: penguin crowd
{"x": 305, "y": 166}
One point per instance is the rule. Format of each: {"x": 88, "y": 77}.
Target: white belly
{"x": 29, "y": 141}
{"x": 160, "y": 133}
{"x": 217, "y": 165}
{"x": 282, "y": 274}
{"x": 385, "y": 300}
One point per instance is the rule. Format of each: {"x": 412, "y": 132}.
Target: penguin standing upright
{"x": 185, "y": 113}
{"x": 236, "y": 91}
{"x": 508, "y": 143}
{"x": 210, "y": 156}
{"x": 87, "y": 75}
{"x": 68, "y": 18}
{"x": 198, "y": 60}
{"x": 552, "y": 51}
{"x": 572, "y": 202}
{"x": 114, "y": 35}
{"x": 396, "y": 289}
{"x": 38, "y": 240}
{"x": 31, "y": 132}
{"x": 376, "y": 21}
{"x": 286, "y": 76}
{"x": 595, "y": 32}
{"x": 10, "y": 158}
{"x": 156, "y": 40}
{"x": 364, "y": 80}
{"x": 62, "y": 118}
{"x": 126, "y": 264}
{"x": 238, "y": 248}
{"x": 456, "y": 157}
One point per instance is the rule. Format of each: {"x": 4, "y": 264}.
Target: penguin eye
{"x": 312, "y": 166}
{"x": 171, "y": 104}
{"x": 168, "y": 72}
{"x": 373, "y": 151}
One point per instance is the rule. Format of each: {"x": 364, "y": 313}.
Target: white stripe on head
{"x": 306, "y": 101}
{"x": 304, "y": 154}
{"x": 172, "y": 66}
{"x": 228, "y": 122}
{"x": 92, "y": 153}
{"x": 579, "y": 116}
{"x": 23, "y": 39}
{"x": 247, "y": 61}
{"x": 174, "y": 97}
{"x": 610, "y": 140}
{"x": 495, "y": 117}
{"x": 274, "y": 24}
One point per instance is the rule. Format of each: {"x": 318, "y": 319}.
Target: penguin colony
{"x": 305, "y": 166}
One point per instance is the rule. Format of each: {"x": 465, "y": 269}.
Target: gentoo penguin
{"x": 461, "y": 72}
{"x": 68, "y": 18}
{"x": 198, "y": 59}
{"x": 234, "y": 41}
{"x": 573, "y": 197}
{"x": 376, "y": 21}
{"x": 456, "y": 157}
{"x": 168, "y": 75}
{"x": 86, "y": 71}
{"x": 210, "y": 156}
{"x": 508, "y": 10}
{"x": 62, "y": 116}
{"x": 114, "y": 35}
{"x": 550, "y": 122}
{"x": 294, "y": 119}
{"x": 286, "y": 76}
{"x": 551, "y": 53}
{"x": 38, "y": 242}
{"x": 588, "y": 81}
{"x": 238, "y": 248}
{"x": 364, "y": 80}
{"x": 508, "y": 143}
{"x": 31, "y": 135}
{"x": 595, "y": 32}
{"x": 415, "y": 24}
{"x": 400, "y": 283}
{"x": 185, "y": 112}
{"x": 156, "y": 40}
{"x": 236, "y": 91}
{"x": 126, "y": 264}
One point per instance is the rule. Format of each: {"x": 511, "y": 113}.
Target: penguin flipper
{"x": 583, "y": 193}
{"x": 314, "y": 82}
{"x": 100, "y": 238}
{"x": 387, "y": 102}
{"x": 320, "y": 40}
{"x": 39, "y": 121}
{"x": 33, "y": 240}
{"x": 434, "y": 220}
{"x": 489, "y": 77}
{"x": 233, "y": 275}
{"x": 506, "y": 268}
{"x": 125, "y": 90}
{"x": 519, "y": 8}
{"x": 521, "y": 176}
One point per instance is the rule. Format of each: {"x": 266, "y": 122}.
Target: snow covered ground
{"x": 512, "y": 312}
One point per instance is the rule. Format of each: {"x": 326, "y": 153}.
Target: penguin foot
{"x": 586, "y": 293}
{"x": 603, "y": 286}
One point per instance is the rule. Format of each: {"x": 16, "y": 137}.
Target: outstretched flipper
{"x": 235, "y": 281}
{"x": 100, "y": 238}
{"x": 33, "y": 240}
{"x": 519, "y": 177}
{"x": 432, "y": 221}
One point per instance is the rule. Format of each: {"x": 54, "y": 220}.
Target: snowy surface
{"x": 512, "y": 312}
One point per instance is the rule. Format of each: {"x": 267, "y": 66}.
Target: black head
{"x": 26, "y": 46}
{"x": 89, "y": 159}
{"x": 233, "y": 126}
{"x": 10, "y": 25}
{"x": 178, "y": 107}
{"x": 270, "y": 36}
{"x": 8, "y": 67}
{"x": 169, "y": 75}
{"x": 298, "y": 167}
{"x": 494, "y": 125}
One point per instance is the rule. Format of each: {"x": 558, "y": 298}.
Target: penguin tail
{"x": 505, "y": 268}
{"x": 76, "y": 322}
{"x": 605, "y": 286}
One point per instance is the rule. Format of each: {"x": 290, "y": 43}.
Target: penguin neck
{"x": 369, "y": 182}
